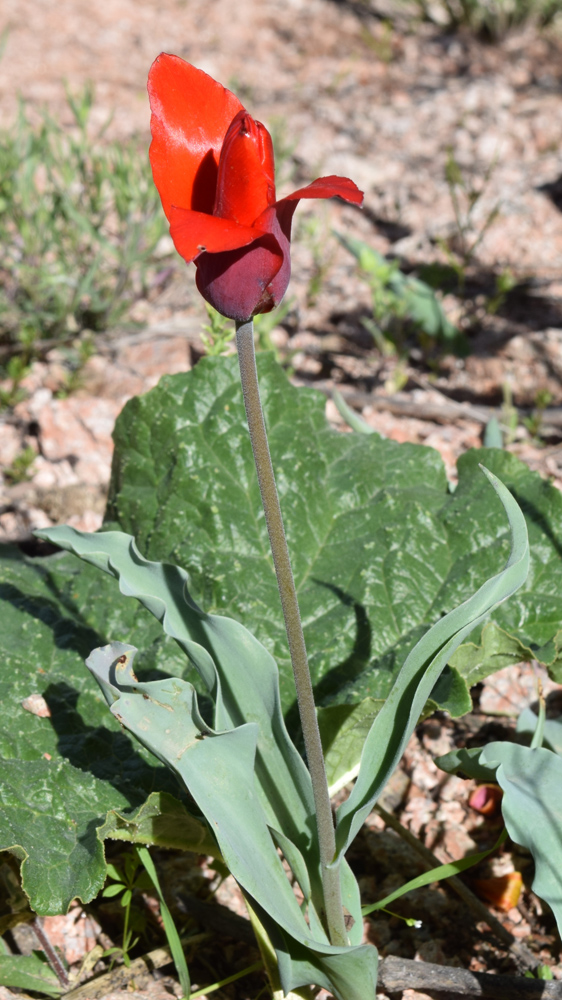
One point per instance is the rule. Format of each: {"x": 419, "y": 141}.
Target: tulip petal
{"x": 195, "y": 232}
{"x": 329, "y": 187}
{"x": 239, "y": 283}
{"x": 246, "y": 178}
{"x": 191, "y": 114}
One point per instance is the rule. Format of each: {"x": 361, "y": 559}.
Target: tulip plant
{"x": 248, "y": 784}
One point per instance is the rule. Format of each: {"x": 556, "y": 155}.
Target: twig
{"x": 524, "y": 955}
{"x": 443, "y": 413}
{"x": 397, "y": 974}
{"x": 52, "y": 957}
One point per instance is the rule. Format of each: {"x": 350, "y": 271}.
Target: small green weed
{"x": 76, "y": 358}
{"x": 79, "y": 223}
{"x": 217, "y": 333}
{"x": 490, "y": 20}
{"x": 534, "y": 423}
{"x": 465, "y": 196}
{"x": 19, "y": 470}
{"x": 127, "y": 880}
{"x": 15, "y": 371}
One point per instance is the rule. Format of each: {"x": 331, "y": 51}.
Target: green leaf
{"x": 221, "y": 768}
{"x": 113, "y": 890}
{"x": 381, "y": 548}
{"x": 234, "y": 667}
{"x": 397, "y": 718}
{"x": 169, "y": 925}
{"x": 73, "y": 778}
{"x": 163, "y": 821}
{"x": 436, "y": 874}
{"x": 29, "y": 972}
{"x": 114, "y": 872}
{"x": 343, "y": 730}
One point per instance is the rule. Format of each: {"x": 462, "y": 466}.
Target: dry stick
{"x": 524, "y": 954}
{"x": 444, "y": 412}
{"x": 295, "y": 638}
{"x": 397, "y": 974}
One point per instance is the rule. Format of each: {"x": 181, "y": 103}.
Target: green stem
{"x": 287, "y": 591}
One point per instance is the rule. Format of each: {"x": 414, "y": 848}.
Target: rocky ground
{"x": 371, "y": 93}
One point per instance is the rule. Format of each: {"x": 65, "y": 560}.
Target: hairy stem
{"x": 285, "y": 581}
{"x": 52, "y": 957}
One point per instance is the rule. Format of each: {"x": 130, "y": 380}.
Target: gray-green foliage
{"x": 531, "y": 779}
{"x": 79, "y": 222}
{"x": 242, "y": 769}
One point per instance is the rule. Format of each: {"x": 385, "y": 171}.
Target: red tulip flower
{"x": 214, "y": 170}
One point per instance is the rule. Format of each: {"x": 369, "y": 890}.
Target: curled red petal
{"x": 191, "y": 114}
{"x": 195, "y": 232}
{"x": 329, "y": 187}
{"x": 246, "y": 178}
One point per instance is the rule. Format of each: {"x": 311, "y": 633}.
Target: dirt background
{"x": 381, "y": 101}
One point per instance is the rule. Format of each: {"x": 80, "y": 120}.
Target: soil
{"x": 362, "y": 90}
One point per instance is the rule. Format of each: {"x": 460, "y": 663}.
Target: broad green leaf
{"x": 29, "y": 972}
{"x": 381, "y": 548}
{"x": 162, "y": 821}
{"x": 343, "y": 730}
{"x": 532, "y": 809}
{"x": 497, "y": 649}
{"x": 67, "y": 776}
{"x": 397, "y": 718}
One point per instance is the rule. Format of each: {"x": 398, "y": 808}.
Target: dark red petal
{"x": 238, "y": 283}
{"x": 246, "y": 178}
{"x": 191, "y": 114}
{"x": 195, "y": 232}
{"x": 253, "y": 279}
{"x": 329, "y": 187}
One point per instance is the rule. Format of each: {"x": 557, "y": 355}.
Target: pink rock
{"x": 37, "y": 705}
{"x": 11, "y": 443}
{"x": 156, "y": 357}
{"x": 74, "y": 933}
{"x": 79, "y": 430}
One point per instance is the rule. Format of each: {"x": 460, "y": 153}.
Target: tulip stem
{"x": 287, "y": 591}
